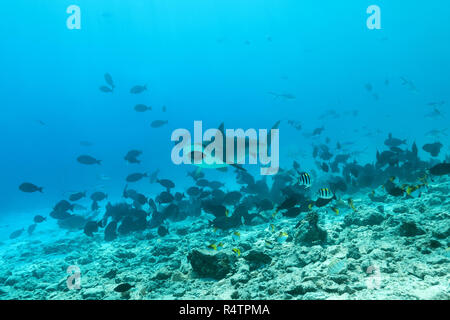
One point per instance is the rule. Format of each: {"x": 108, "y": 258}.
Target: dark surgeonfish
{"x": 29, "y": 187}
{"x": 39, "y": 219}
{"x": 16, "y": 233}
{"x": 142, "y": 108}
{"x": 158, "y": 123}
{"x": 60, "y": 215}
{"x": 123, "y": 287}
{"x": 440, "y": 169}
{"x": 321, "y": 202}
{"x": 135, "y": 220}
{"x": 90, "y": 228}
{"x": 137, "y": 197}
{"x": 98, "y": 196}
{"x": 63, "y": 205}
{"x": 109, "y": 80}
{"x": 131, "y": 156}
{"x": 164, "y": 197}
{"x": 138, "y": 89}
{"x": 193, "y": 191}
{"x": 166, "y": 183}
{"x": 215, "y": 209}
{"x": 77, "y": 196}
{"x": 88, "y": 160}
{"x": 135, "y": 177}
{"x": 288, "y": 203}
{"x": 215, "y": 185}
{"x": 202, "y": 183}
{"x": 433, "y": 148}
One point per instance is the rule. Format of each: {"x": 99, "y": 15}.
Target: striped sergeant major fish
{"x": 325, "y": 193}
{"x": 304, "y": 180}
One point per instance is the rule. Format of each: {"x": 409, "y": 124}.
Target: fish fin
{"x": 276, "y": 125}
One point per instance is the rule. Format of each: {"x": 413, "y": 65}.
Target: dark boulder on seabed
{"x": 212, "y": 264}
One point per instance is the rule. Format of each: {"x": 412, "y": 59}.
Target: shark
{"x": 213, "y": 160}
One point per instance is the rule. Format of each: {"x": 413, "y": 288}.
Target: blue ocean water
{"x": 215, "y": 62}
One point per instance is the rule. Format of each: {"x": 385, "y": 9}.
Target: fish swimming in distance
{"x": 158, "y": 123}
{"x": 98, "y": 196}
{"x": 138, "y": 89}
{"x": 109, "y": 80}
{"x": 29, "y": 188}
{"x": 88, "y": 160}
{"x": 166, "y": 183}
{"x": 286, "y": 96}
{"x": 131, "y": 156}
{"x": 134, "y": 177}
{"x": 105, "y": 89}
{"x": 77, "y": 196}
{"x": 142, "y": 108}
{"x": 39, "y": 219}
{"x": 16, "y": 233}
